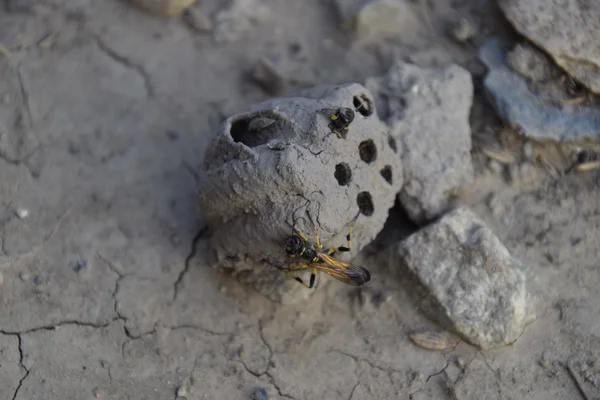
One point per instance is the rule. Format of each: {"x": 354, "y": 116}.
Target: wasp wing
{"x": 343, "y": 271}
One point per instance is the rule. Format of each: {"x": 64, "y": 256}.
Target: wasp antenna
{"x": 294, "y": 226}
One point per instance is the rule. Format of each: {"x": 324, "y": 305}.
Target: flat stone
{"x": 569, "y": 30}
{"x": 429, "y": 114}
{"x": 469, "y": 281}
{"x": 525, "y": 111}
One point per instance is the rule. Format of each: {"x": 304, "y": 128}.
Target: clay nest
{"x": 269, "y": 166}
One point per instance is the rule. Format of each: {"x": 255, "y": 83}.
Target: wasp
{"x": 340, "y": 120}
{"x": 298, "y": 246}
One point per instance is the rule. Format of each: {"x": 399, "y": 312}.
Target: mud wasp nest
{"x": 324, "y": 152}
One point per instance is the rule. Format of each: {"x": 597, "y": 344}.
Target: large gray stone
{"x": 569, "y": 30}
{"x": 274, "y": 159}
{"x": 429, "y": 115}
{"x": 469, "y": 281}
{"x": 527, "y": 112}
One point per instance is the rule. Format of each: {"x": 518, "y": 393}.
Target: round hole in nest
{"x": 343, "y": 174}
{"x": 367, "y": 151}
{"x": 386, "y": 173}
{"x": 363, "y": 104}
{"x": 365, "y": 203}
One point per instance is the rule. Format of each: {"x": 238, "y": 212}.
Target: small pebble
{"x": 22, "y": 212}
{"x": 260, "y": 394}
{"x": 495, "y": 166}
{"x": 38, "y": 279}
{"x": 463, "y": 30}
{"x": 184, "y": 390}
{"x": 24, "y": 276}
{"x": 79, "y": 265}
{"x": 172, "y": 135}
{"x": 197, "y": 20}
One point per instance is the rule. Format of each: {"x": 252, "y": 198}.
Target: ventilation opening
{"x": 365, "y": 203}
{"x": 363, "y": 105}
{"x": 343, "y": 174}
{"x": 253, "y": 132}
{"x": 367, "y": 151}
{"x": 392, "y": 143}
{"x": 386, "y": 173}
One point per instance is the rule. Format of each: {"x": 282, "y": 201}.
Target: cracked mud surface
{"x": 100, "y": 295}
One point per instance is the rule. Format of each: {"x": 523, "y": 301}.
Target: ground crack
{"x": 188, "y": 260}
{"x": 196, "y": 327}
{"x": 267, "y": 373}
{"x": 358, "y": 360}
{"x": 353, "y": 389}
{"x": 58, "y": 325}
{"x": 120, "y": 276}
{"x": 127, "y": 63}
{"x": 22, "y": 366}
{"x": 495, "y": 372}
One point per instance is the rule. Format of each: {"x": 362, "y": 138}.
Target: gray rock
{"x": 429, "y": 114}
{"x": 527, "y": 113}
{"x": 238, "y": 18}
{"x": 267, "y": 73}
{"x": 255, "y": 178}
{"x": 569, "y": 30}
{"x": 531, "y": 63}
{"x": 472, "y": 285}
{"x": 197, "y": 20}
{"x": 463, "y": 30}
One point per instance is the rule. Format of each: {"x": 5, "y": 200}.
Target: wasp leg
{"x": 331, "y": 251}
{"x": 313, "y": 276}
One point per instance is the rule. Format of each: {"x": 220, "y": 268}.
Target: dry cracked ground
{"x": 105, "y": 114}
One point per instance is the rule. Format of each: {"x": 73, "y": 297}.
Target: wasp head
{"x": 293, "y": 245}
{"x": 347, "y": 114}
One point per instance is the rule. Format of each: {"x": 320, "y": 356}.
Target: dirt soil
{"x": 105, "y": 115}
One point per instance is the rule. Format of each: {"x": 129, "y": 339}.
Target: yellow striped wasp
{"x": 340, "y": 120}
{"x": 298, "y": 246}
